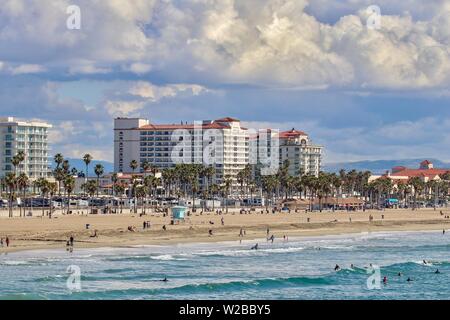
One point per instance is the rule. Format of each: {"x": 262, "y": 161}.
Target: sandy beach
{"x": 43, "y": 233}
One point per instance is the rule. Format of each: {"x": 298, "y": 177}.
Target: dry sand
{"x": 44, "y": 233}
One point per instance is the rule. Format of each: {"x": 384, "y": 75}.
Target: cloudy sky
{"x": 363, "y": 93}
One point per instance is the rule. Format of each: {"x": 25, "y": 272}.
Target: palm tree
{"x": 418, "y": 185}
{"x": 133, "y": 165}
{"x": 87, "y": 159}
{"x": 90, "y": 188}
{"x": 22, "y": 184}
{"x": 69, "y": 186}
{"x": 43, "y": 185}
{"x": 11, "y": 183}
{"x": 145, "y": 166}
{"x": 120, "y": 189}
{"x": 98, "y": 172}
{"x": 52, "y": 189}
{"x": 114, "y": 179}
{"x": 214, "y": 191}
{"x": 17, "y": 160}
{"x": 227, "y": 182}
{"x": 59, "y": 159}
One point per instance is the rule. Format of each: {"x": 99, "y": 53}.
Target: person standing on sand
{"x": 71, "y": 241}
{"x": 7, "y": 241}
{"x": 1, "y": 242}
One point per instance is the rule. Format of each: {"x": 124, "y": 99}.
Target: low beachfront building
{"x": 426, "y": 172}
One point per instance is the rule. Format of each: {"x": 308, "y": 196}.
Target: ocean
{"x": 301, "y": 268}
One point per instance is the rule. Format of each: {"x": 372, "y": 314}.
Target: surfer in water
{"x": 437, "y": 271}
{"x": 409, "y": 279}
{"x": 337, "y": 268}
{"x": 164, "y": 280}
{"x": 255, "y": 247}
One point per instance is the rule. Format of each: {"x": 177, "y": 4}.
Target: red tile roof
{"x": 216, "y": 124}
{"x": 228, "y": 119}
{"x": 421, "y": 172}
{"x": 292, "y": 134}
{"x": 212, "y": 125}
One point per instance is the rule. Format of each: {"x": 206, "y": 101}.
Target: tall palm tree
{"x": 22, "y": 184}
{"x": 120, "y": 189}
{"x": 52, "y": 190}
{"x": 69, "y": 186}
{"x": 90, "y": 188}
{"x": 11, "y": 184}
{"x": 418, "y": 186}
{"x": 87, "y": 159}
{"x": 59, "y": 159}
{"x": 114, "y": 179}
{"x": 17, "y": 160}
{"x": 227, "y": 182}
{"x": 42, "y": 185}
{"x": 99, "y": 170}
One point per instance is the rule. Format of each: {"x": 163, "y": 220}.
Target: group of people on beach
{"x": 4, "y": 242}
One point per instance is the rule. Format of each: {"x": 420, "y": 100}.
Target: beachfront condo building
{"x": 304, "y": 156}
{"x": 165, "y": 145}
{"x": 31, "y": 137}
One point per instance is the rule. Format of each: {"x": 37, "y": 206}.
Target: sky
{"x": 364, "y": 91}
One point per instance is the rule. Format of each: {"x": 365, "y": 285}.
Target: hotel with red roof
{"x": 138, "y": 139}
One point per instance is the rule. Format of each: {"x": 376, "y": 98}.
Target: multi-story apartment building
{"x": 29, "y": 137}
{"x": 304, "y": 156}
{"x": 165, "y": 145}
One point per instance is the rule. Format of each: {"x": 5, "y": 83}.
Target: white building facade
{"x": 31, "y": 137}
{"x": 165, "y": 145}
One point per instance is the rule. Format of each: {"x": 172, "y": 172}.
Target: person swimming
{"x": 400, "y": 274}
{"x": 385, "y": 280}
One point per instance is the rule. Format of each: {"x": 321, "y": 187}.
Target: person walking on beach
{"x": 267, "y": 232}
{"x": 222, "y": 221}
{"x": 1, "y": 242}
{"x": 7, "y": 241}
{"x": 71, "y": 241}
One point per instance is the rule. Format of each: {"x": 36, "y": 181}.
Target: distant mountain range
{"x": 81, "y": 167}
{"x": 381, "y": 166}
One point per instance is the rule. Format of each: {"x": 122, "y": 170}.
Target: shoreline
{"x": 29, "y": 234}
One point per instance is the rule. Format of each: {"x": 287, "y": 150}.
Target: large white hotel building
{"x": 139, "y": 140}
{"x": 31, "y": 137}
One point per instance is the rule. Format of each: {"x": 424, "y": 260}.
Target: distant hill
{"x": 80, "y": 166}
{"x": 381, "y": 166}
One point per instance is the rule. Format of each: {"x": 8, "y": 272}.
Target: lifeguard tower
{"x": 178, "y": 214}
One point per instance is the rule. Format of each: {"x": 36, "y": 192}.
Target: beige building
{"x": 304, "y": 156}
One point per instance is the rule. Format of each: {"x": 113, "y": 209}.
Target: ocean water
{"x": 302, "y": 268}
